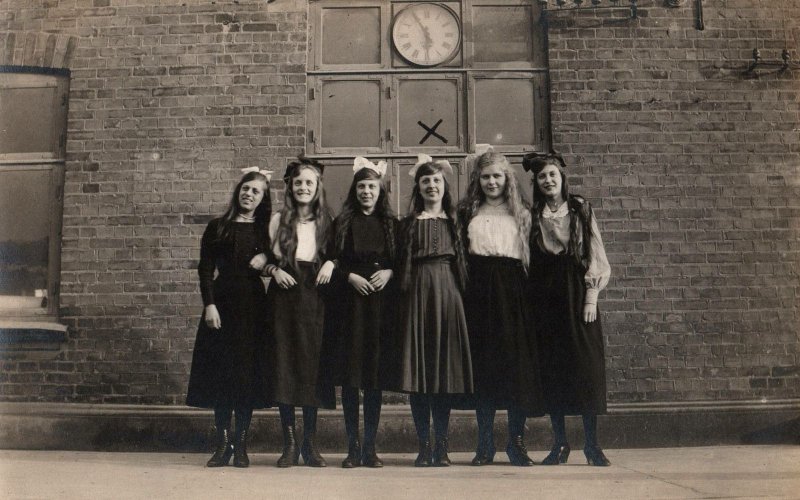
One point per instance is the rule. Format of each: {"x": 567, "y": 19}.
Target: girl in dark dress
{"x": 228, "y": 369}
{"x": 296, "y": 309}
{"x": 434, "y": 348}
{"x": 505, "y": 365}
{"x": 363, "y": 248}
{"x": 569, "y": 268}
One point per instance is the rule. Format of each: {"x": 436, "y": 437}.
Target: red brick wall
{"x": 693, "y": 167}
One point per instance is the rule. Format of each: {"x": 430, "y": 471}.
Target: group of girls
{"x": 485, "y": 304}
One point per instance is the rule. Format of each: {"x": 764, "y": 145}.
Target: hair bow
{"x": 530, "y": 159}
{"x": 301, "y": 161}
{"x": 422, "y": 159}
{"x": 472, "y": 159}
{"x": 265, "y": 173}
{"x": 361, "y": 162}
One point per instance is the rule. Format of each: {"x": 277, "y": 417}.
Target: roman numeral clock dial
{"x": 426, "y": 34}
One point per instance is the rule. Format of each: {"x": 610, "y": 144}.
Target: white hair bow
{"x": 265, "y": 173}
{"x": 361, "y": 162}
{"x": 422, "y": 158}
{"x": 472, "y": 158}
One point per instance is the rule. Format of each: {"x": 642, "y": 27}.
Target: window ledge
{"x": 27, "y": 336}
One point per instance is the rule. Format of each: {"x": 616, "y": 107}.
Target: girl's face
{"x": 549, "y": 181}
{"x": 250, "y": 195}
{"x": 304, "y": 186}
{"x": 432, "y": 187}
{"x": 493, "y": 182}
{"x": 368, "y": 191}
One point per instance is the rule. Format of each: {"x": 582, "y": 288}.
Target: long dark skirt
{"x": 571, "y": 352}
{"x": 505, "y": 361}
{"x": 434, "y": 346}
{"x": 362, "y": 326}
{"x": 228, "y": 364}
{"x": 295, "y": 322}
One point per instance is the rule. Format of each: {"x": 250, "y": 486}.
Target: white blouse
{"x": 306, "y": 239}
{"x": 493, "y": 232}
{"x": 555, "y": 238}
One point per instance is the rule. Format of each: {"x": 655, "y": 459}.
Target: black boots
{"x": 311, "y": 456}
{"x": 424, "y": 458}
{"x": 240, "y": 458}
{"x": 484, "y": 454}
{"x": 595, "y": 456}
{"x": 517, "y": 453}
{"x": 353, "y": 458}
{"x": 369, "y": 458}
{"x": 223, "y": 451}
{"x": 558, "y": 455}
{"x": 291, "y": 453}
{"x": 440, "y": 458}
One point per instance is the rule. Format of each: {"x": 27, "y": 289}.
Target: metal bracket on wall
{"x": 784, "y": 64}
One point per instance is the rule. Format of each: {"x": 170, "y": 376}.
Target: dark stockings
{"x": 589, "y": 430}
{"x": 423, "y": 407}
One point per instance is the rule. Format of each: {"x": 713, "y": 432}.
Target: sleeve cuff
{"x": 591, "y": 296}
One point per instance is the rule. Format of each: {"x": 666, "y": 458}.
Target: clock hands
{"x": 428, "y": 43}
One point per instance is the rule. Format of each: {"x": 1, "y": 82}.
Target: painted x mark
{"x": 431, "y": 131}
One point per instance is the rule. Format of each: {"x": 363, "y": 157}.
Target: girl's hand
{"x": 379, "y": 279}
{"x": 283, "y": 279}
{"x": 589, "y": 313}
{"x": 325, "y": 273}
{"x": 258, "y": 262}
{"x": 212, "y": 318}
{"x": 361, "y": 285}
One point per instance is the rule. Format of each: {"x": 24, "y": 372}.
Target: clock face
{"x": 426, "y": 34}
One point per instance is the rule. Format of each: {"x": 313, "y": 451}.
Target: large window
{"x": 33, "y": 110}
{"x": 390, "y": 79}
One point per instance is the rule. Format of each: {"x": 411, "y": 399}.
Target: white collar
{"x": 425, "y": 215}
{"x": 562, "y": 211}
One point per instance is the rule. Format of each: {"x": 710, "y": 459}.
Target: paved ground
{"x": 665, "y": 473}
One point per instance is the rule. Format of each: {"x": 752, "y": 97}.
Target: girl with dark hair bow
{"x": 363, "y": 246}
{"x": 497, "y": 224}
{"x": 228, "y": 366}
{"x": 569, "y": 268}
{"x": 296, "y": 310}
{"x": 434, "y": 348}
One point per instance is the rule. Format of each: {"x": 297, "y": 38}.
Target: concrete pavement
{"x": 656, "y": 473}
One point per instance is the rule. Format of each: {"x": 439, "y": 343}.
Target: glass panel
{"x": 24, "y": 232}
{"x": 428, "y": 113}
{"x": 351, "y": 35}
{"x": 27, "y": 116}
{"x": 504, "y": 112}
{"x": 351, "y": 113}
{"x": 502, "y": 33}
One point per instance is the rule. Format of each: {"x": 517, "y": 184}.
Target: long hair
{"x": 517, "y": 206}
{"x": 287, "y": 229}
{"x": 580, "y": 211}
{"x": 416, "y": 207}
{"x": 351, "y": 205}
{"x": 262, "y": 213}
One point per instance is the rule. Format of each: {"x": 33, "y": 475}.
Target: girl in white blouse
{"x": 296, "y": 310}
{"x": 568, "y": 269}
{"x": 499, "y": 319}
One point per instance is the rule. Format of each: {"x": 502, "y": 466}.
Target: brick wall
{"x": 692, "y": 166}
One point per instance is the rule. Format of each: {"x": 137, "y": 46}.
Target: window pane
{"x": 502, "y": 33}
{"x": 351, "y": 35}
{"x": 24, "y": 232}
{"x": 504, "y": 112}
{"x": 26, "y": 120}
{"x": 351, "y": 113}
{"x": 428, "y": 111}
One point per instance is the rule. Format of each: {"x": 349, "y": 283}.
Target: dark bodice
{"x": 432, "y": 239}
{"x": 231, "y": 258}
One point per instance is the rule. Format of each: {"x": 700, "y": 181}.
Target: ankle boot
{"x": 440, "y": 458}
{"x": 240, "y": 458}
{"x": 291, "y": 453}
{"x": 424, "y": 459}
{"x": 517, "y": 453}
{"x": 369, "y": 458}
{"x": 596, "y": 457}
{"x": 353, "y": 458}
{"x": 311, "y": 456}
{"x": 223, "y": 451}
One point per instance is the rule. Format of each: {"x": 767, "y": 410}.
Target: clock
{"x": 426, "y": 34}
